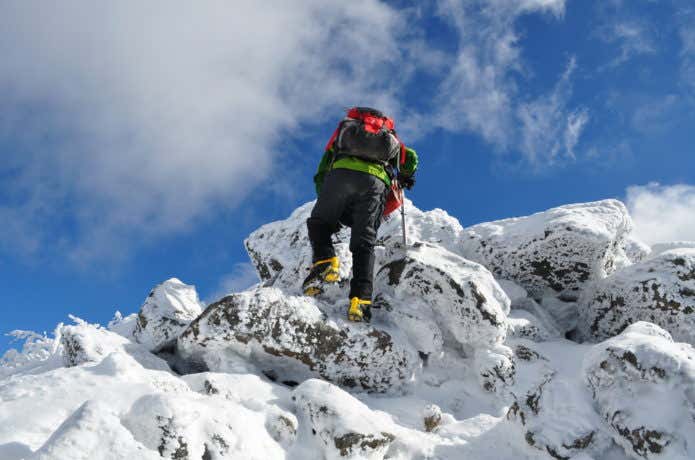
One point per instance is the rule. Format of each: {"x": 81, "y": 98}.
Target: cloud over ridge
{"x": 129, "y": 120}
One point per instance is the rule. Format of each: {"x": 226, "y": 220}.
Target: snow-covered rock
{"x": 168, "y": 309}
{"x": 85, "y": 343}
{"x": 188, "y": 426}
{"x": 555, "y": 252}
{"x": 659, "y": 248}
{"x": 254, "y": 393}
{"x": 523, "y": 324}
{"x": 496, "y": 368}
{"x": 342, "y": 426}
{"x": 94, "y": 431}
{"x": 281, "y": 251}
{"x": 660, "y": 290}
{"x": 635, "y": 249}
{"x": 291, "y": 339}
{"x": 643, "y": 384}
{"x": 551, "y": 409}
{"x": 435, "y": 296}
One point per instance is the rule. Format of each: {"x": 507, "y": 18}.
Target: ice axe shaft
{"x": 405, "y": 236}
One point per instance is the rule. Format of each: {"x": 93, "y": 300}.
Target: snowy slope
{"x": 464, "y": 359}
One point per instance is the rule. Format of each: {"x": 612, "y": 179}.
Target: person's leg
{"x": 325, "y": 216}
{"x": 367, "y": 208}
{"x": 322, "y": 224}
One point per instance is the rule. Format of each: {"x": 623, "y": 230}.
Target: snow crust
{"x": 466, "y": 356}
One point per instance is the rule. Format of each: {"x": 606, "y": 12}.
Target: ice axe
{"x": 394, "y": 200}
{"x": 405, "y": 236}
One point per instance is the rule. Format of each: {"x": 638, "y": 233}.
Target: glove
{"x": 405, "y": 181}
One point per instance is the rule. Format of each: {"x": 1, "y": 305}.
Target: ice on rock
{"x": 555, "y": 252}
{"x": 643, "y": 386}
{"x": 434, "y": 296}
{"x": 342, "y": 426}
{"x": 291, "y": 339}
{"x": 660, "y": 290}
{"x": 168, "y": 309}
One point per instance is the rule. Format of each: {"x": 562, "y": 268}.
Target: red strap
{"x": 332, "y": 139}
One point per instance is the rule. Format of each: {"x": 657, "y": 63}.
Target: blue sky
{"x": 145, "y": 142}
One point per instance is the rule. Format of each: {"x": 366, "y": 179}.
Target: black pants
{"x": 355, "y": 199}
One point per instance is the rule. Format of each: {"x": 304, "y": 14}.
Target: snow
{"x": 465, "y": 357}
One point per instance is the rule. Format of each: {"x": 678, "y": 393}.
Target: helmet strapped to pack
{"x": 368, "y": 134}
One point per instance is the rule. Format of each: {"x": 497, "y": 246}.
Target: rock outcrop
{"x": 188, "y": 426}
{"x": 643, "y": 387}
{"x": 281, "y": 251}
{"x": 554, "y": 253}
{"x": 342, "y": 426}
{"x": 435, "y": 296}
{"x": 660, "y": 290}
{"x": 168, "y": 309}
{"x": 291, "y": 339}
{"x": 552, "y": 412}
{"x": 88, "y": 344}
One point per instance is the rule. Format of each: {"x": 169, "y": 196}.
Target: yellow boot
{"x": 359, "y": 309}
{"x": 323, "y": 271}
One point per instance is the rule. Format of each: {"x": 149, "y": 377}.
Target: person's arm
{"x": 406, "y": 171}
{"x": 411, "y": 162}
{"x": 324, "y": 165}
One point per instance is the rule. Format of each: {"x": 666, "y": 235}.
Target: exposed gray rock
{"x": 168, "y": 309}
{"x": 643, "y": 386}
{"x": 660, "y": 290}
{"x": 291, "y": 339}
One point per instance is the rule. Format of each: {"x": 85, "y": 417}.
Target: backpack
{"x": 367, "y": 134}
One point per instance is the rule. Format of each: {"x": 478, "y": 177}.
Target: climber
{"x": 361, "y": 161}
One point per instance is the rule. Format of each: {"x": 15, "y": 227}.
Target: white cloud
{"x": 550, "y": 130}
{"x": 480, "y": 92}
{"x": 632, "y": 37}
{"x": 242, "y": 277}
{"x": 149, "y": 114}
{"x": 132, "y": 120}
{"x": 663, "y": 213}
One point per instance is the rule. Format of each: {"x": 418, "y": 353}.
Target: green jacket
{"x": 357, "y": 164}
